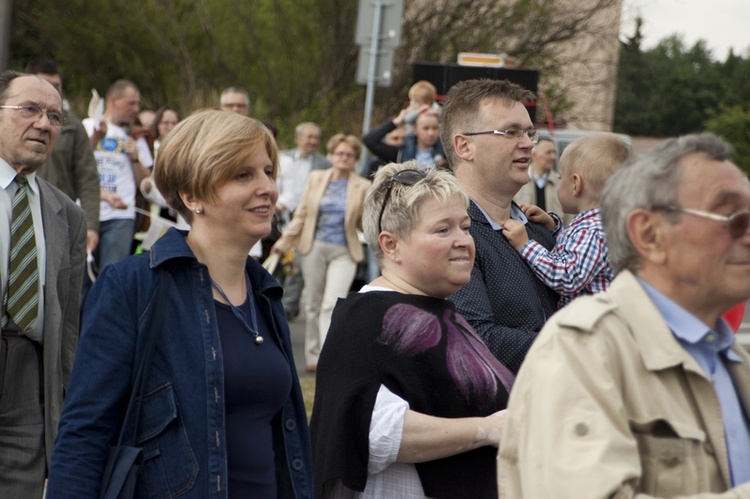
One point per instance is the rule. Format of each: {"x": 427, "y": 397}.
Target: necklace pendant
{"x": 258, "y": 340}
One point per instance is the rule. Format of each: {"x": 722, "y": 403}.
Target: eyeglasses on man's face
{"x": 737, "y": 223}
{"x": 511, "y": 134}
{"x": 34, "y": 112}
{"x": 404, "y": 177}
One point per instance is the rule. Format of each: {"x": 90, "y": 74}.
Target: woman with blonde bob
{"x": 324, "y": 231}
{"x": 409, "y": 402}
{"x": 222, "y": 415}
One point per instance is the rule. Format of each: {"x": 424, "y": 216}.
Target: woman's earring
{"x": 198, "y": 211}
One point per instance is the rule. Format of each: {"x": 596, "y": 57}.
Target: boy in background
{"x": 579, "y": 263}
{"x": 422, "y": 96}
{"x": 421, "y": 121}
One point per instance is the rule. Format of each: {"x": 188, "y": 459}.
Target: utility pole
{"x": 6, "y": 12}
{"x": 378, "y": 34}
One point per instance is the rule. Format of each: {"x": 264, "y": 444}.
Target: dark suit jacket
{"x": 65, "y": 243}
{"x": 71, "y": 167}
{"x": 504, "y": 301}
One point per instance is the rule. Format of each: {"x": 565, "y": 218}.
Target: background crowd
{"x": 498, "y": 347}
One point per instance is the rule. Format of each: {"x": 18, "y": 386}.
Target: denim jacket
{"x": 182, "y": 422}
{"x": 409, "y": 150}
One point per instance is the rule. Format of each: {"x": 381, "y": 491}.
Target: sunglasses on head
{"x": 404, "y": 177}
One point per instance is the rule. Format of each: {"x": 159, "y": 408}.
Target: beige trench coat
{"x": 608, "y": 404}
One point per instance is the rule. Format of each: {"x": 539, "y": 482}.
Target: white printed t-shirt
{"x": 115, "y": 169}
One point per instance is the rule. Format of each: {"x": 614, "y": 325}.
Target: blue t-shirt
{"x": 330, "y": 228}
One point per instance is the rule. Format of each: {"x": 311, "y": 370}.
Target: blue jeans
{"x": 115, "y": 241}
{"x": 115, "y": 244}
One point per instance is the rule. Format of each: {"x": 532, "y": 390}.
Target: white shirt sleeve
{"x": 257, "y": 250}
{"x": 144, "y": 153}
{"x": 285, "y": 182}
{"x": 386, "y": 428}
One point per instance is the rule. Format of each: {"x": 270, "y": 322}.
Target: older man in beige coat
{"x": 544, "y": 180}
{"x": 641, "y": 391}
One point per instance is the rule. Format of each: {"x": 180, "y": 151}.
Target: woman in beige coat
{"x": 324, "y": 231}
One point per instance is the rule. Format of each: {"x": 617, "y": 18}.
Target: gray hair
{"x": 300, "y": 129}
{"x": 6, "y": 78}
{"x": 650, "y": 181}
{"x": 542, "y": 138}
{"x": 401, "y": 213}
{"x": 234, "y": 90}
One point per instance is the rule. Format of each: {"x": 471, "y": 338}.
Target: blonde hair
{"x": 423, "y": 92}
{"x": 401, "y": 212}
{"x": 204, "y": 151}
{"x": 352, "y": 140}
{"x": 595, "y": 158}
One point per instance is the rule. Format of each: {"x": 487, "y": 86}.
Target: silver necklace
{"x": 240, "y": 315}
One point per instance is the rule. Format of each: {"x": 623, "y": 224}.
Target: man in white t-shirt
{"x": 123, "y": 162}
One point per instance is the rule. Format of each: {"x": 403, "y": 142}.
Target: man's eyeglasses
{"x": 737, "y": 223}
{"x": 31, "y": 111}
{"x": 404, "y": 177}
{"x": 511, "y": 133}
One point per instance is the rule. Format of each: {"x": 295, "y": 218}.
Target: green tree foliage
{"x": 297, "y": 58}
{"x": 733, "y": 123}
{"x": 672, "y": 89}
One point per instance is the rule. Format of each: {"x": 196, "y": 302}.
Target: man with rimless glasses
{"x": 488, "y": 136}
{"x": 42, "y": 252}
{"x": 641, "y": 391}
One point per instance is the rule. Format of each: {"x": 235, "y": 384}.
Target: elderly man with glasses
{"x": 42, "y": 250}
{"x": 488, "y": 136}
{"x": 641, "y": 391}
{"x": 235, "y": 99}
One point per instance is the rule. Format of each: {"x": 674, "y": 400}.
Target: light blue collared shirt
{"x": 515, "y": 214}
{"x": 710, "y": 348}
{"x": 7, "y": 191}
{"x": 539, "y": 180}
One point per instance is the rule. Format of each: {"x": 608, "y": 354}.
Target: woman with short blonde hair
{"x": 222, "y": 413}
{"x": 409, "y": 402}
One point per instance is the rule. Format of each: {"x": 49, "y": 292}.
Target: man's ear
{"x": 464, "y": 147}
{"x": 647, "y": 232}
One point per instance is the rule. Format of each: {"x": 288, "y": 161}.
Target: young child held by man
{"x": 579, "y": 262}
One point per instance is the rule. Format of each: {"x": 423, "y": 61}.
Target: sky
{"x": 721, "y": 23}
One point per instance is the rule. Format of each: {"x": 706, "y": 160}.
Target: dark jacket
{"x": 71, "y": 167}
{"x": 505, "y": 301}
{"x": 392, "y": 154}
{"x": 181, "y": 427}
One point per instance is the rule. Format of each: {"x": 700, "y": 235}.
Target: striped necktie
{"x": 22, "y": 293}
